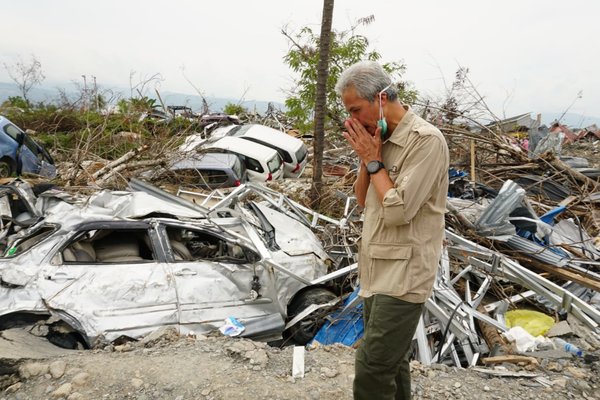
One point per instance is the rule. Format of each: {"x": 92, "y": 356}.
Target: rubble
{"x": 521, "y": 234}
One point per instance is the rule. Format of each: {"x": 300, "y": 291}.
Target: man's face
{"x": 366, "y": 112}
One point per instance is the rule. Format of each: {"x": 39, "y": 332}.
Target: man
{"x": 402, "y": 183}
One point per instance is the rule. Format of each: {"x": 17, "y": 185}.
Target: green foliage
{"x": 347, "y": 48}
{"x": 47, "y": 119}
{"x": 16, "y": 101}
{"x": 136, "y": 105}
{"x": 56, "y": 141}
{"x": 234, "y": 109}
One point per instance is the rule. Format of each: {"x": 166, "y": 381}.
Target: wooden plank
{"x": 568, "y": 200}
{"x": 513, "y": 359}
{"x": 567, "y": 274}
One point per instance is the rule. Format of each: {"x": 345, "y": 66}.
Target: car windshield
{"x": 274, "y": 163}
{"x": 239, "y": 130}
{"x": 237, "y": 168}
{"x": 301, "y": 153}
{"x": 12, "y": 131}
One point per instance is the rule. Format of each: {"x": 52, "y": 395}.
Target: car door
{"x": 111, "y": 280}
{"x": 216, "y": 279}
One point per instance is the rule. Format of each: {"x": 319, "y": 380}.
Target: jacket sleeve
{"x": 421, "y": 171}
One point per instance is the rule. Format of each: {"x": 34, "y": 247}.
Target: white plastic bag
{"x": 232, "y": 327}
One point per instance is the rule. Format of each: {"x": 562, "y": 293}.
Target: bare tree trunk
{"x": 321, "y": 103}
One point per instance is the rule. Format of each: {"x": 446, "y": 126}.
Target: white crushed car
{"x": 124, "y": 264}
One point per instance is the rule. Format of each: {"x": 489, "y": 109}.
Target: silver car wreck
{"x": 127, "y": 263}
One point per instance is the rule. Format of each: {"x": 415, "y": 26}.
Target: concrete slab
{"x": 561, "y": 328}
{"x": 17, "y": 345}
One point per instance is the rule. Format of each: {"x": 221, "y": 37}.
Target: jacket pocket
{"x": 389, "y": 265}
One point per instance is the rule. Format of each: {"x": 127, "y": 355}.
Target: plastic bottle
{"x": 568, "y": 347}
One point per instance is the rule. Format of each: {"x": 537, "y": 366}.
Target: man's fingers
{"x": 377, "y": 136}
{"x": 349, "y": 138}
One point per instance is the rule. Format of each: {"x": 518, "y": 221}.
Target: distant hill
{"x": 48, "y": 94}
{"x": 36, "y": 94}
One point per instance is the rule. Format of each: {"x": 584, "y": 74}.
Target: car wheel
{"x": 5, "y": 169}
{"x": 303, "y": 331}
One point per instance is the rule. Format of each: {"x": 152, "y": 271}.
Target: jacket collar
{"x": 400, "y": 134}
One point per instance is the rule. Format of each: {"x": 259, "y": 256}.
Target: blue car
{"x": 19, "y": 153}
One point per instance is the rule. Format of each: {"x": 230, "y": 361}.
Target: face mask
{"x": 382, "y": 123}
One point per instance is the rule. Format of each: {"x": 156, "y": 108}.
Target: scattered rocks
{"x": 329, "y": 372}
{"x": 223, "y": 368}
{"x": 32, "y": 369}
{"x": 137, "y": 383}
{"x": 575, "y": 372}
{"x": 14, "y": 388}
{"x": 63, "y": 391}
{"x": 57, "y": 369}
{"x": 163, "y": 334}
{"x": 80, "y": 379}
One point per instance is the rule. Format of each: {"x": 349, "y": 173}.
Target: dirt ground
{"x": 216, "y": 367}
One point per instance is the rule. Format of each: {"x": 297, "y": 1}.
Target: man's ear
{"x": 384, "y": 98}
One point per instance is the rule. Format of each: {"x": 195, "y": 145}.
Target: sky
{"x": 523, "y": 56}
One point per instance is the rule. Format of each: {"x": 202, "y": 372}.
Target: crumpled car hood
{"x": 292, "y": 236}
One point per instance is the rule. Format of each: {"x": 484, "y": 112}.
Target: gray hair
{"x": 368, "y": 79}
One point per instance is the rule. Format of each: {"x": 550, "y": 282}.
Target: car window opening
{"x": 254, "y": 165}
{"x": 192, "y": 245}
{"x": 27, "y": 242}
{"x": 204, "y": 178}
{"x": 110, "y": 246}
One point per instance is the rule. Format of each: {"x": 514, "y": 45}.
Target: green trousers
{"x": 382, "y": 369}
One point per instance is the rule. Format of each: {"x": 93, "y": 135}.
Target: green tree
{"x": 347, "y": 47}
{"x": 136, "y": 105}
{"x": 16, "y": 101}
{"x": 234, "y": 109}
{"x": 26, "y": 75}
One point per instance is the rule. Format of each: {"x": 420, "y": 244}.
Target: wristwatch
{"x": 374, "y": 166}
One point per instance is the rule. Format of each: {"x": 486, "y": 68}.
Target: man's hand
{"x": 365, "y": 145}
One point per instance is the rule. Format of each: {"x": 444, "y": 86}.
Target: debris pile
{"x": 522, "y": 233}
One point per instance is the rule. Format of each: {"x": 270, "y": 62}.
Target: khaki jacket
{"x": 402, "y": 237}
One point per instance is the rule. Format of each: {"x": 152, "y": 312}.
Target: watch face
{"x": 374, "y": 166}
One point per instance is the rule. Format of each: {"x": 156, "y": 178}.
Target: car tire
{"x": 306, "y": 329}
{"x": 6, "y": 169}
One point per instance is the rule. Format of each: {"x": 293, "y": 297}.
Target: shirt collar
{"x": 400, "y": 135}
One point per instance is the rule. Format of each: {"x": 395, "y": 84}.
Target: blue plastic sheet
{"x": 345, "y": 326}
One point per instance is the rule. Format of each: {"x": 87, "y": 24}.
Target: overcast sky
{"x": 524, "y": 56}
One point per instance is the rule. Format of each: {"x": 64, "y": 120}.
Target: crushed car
{"x": 292, "y": 150}
{"x": 19, "y": 153}
{"x": 206, "y": 170}
{"x": 123, "y": 264}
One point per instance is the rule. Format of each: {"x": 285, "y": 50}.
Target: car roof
{"x": 274, "y": 137}
{"x": 207, "y": 160}
{"x": 4, "y": 121}
{"x": 245, "y": 147}
{"x": 112, "y": 205}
